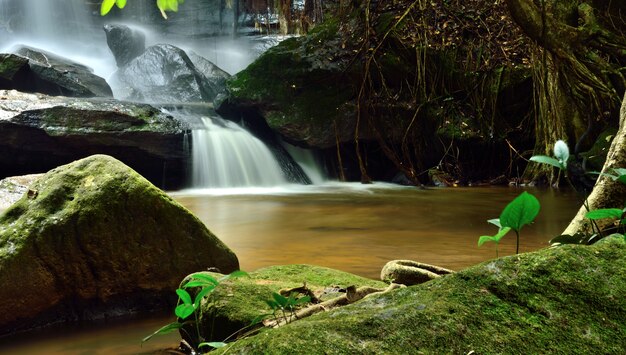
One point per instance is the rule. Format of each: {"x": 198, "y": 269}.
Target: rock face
{"x": 38, "y": 133}
{"x": 164, "y": 74}
{"x": 95, "y": 239}
{"x": 33, "y": 70}
{"x": 564, "y": 299}
{"x": 125, "y": 43}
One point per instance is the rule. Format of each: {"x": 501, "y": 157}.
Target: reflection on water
{"x": 347, "y": 227}
{"x": 359, "y": 230}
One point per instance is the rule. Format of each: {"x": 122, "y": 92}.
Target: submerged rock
{"x": 557, "y": 300}
{"x": 38, "y": 133}
{"x": 125, "y": 43}
{"x": 95, "y": 240}
{"x": 164, "y": 74}
{"x": 34, "y": 70}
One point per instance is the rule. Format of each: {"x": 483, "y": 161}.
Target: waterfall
{"x": 226, "y": 155}
{"x": 309, "y": 163}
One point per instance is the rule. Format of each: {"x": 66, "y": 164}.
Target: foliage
{"x": 163, "y": 5}
{"x": 561, "y": 156}
{"x": 282, "y": 304}
{"x": 518, "y": 213}
{"x": 186, "y": 307}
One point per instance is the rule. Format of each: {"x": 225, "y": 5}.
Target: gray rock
{"x": 162, "y": 74}
{"x": 55, "y": 75}
{"x": 38, "y": 133}
{"x": 214, "y": 82}
{"x": 408, "y": 272}
{"x": 125, "y": 43}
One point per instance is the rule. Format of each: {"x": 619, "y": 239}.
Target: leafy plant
{"x": 163, "y": 5}
{"x": 518, "y": 213}
{"x": 186, "y": 307}
{"x": 280, "y": 305}
{"x": 561, "y": 156}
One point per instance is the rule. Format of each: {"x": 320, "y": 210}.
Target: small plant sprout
{"x": 282, "y": 304}
{"x": 561, "y": 156}
{"x": 518, "y": 213}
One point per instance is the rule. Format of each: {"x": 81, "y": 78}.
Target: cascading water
{"x": 226, "y": 155}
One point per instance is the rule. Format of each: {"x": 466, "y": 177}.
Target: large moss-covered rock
{"x": 94, "y": 239}
{"x": 237, "y": 302}
{"x": 38, "y": 133}
{"x": 568, "y": 299}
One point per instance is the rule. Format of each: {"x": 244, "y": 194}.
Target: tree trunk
{"x": 606, "y": 193}
{"x": 579, "y": 82}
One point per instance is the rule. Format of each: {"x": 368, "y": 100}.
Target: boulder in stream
{"x": 38, "y": 133}
{"x": 34, "y": 70}
{"x": 125, "y": 43}
{"x": 557, "y": 300}
{"x": 93, "y": 239}
{"x": 164, "y": 74}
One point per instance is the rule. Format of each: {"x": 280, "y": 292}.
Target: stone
{"x": 96, "y": 240}
{"x": 556, "y": 300}
{"x": 409, "y": 272}
{"x": 51, "y": 74}
{"x": 38, "y": 133}
{"x": 125, "y": 43}
{"x": 163, "y": 74}
{"x": 214, "y": 82}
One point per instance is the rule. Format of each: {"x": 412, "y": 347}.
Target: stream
{"x": 350, "y": 227}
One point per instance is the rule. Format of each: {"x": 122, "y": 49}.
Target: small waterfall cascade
{"x": 225, "y": 155}
{"x": 309, "y": 163}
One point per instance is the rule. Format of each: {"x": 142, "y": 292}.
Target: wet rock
{"x": 96, "y": 240}
{"x": 214, "y": 82}
{"x": 163, "y": 74}
{"x": 408, "y": 272}
{"x": 125, "y": 43}
{"x": 49, "y": 74}
{"x": 38, "y": 133}
{"x": 554, "y": 300}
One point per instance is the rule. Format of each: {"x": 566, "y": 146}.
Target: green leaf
{"x": 106, "y": 6}
{"x": 163, "y": 330}
{"x": 273, "y": 305}
{"x": 184, "y": 296}
{"x": 547, "y": 160}
{"x": 605, "y": 213}
{"x": 197, "y": 284}
{"x": 205, "y": 291}
{"x": 495, "y": 222}
{"x": 520, "y": 212}
{"x": 260, "y": 318}
{"x": 233, "y": 275}
{"x": 281, "y": 300}
{"x": 214, "y": 344}
{"x": 203, "y": 277}
{"x": 184, "y": 310}
{"x": 303, "y": 300}
{"x": 120, "y": 3}
{"x": 495, "y": 238}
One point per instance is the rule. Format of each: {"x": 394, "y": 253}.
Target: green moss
{"x": 234, "y": 304}
{"x": 559, "y": 300}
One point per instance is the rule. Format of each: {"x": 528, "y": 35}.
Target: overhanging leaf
{"x": 184, "y": 296}
{"x": 493, "y": 238}
{"x": 520, "y": 212}
{"x": 605, "y": 213}
{"x": 547, "y": 160}
{"x": 164, "y": 330}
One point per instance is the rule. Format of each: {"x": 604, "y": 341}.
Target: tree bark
{"x": 606, "y": 193}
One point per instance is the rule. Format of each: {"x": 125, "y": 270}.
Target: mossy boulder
{"x": 94, "y": 239}
{"x": 568, "y": 299}
{"x": 237, "y": 302}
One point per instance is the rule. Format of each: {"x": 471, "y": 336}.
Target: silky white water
{"x": 225, "y": 155}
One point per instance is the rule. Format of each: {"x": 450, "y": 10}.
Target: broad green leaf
{"x": 198, "y": 284}
{"x": 280, "y": 299}
{"x": 547, "y": 160}
{"x": 520, "y": 212}
{"x": 620, "y": 171}
{"x": 605, "y": 213}
{"x": 205, "y": 291}
{"x": 495, "y": 222}
{"x": 120, "y": 3}
{"x": 184, "y": 296}
{"x": 273, "y": 305}
{"x": 622, "y": 179}
{"x": 204, "y": 277}
{"x": 164, "y": 330}
{"x": 214, "y": 344}
{"x": 303, "y": 300}
{"x": 493, "y": 238}
{"x": 106, "y": 6}
{"x": 184, "y": 310}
